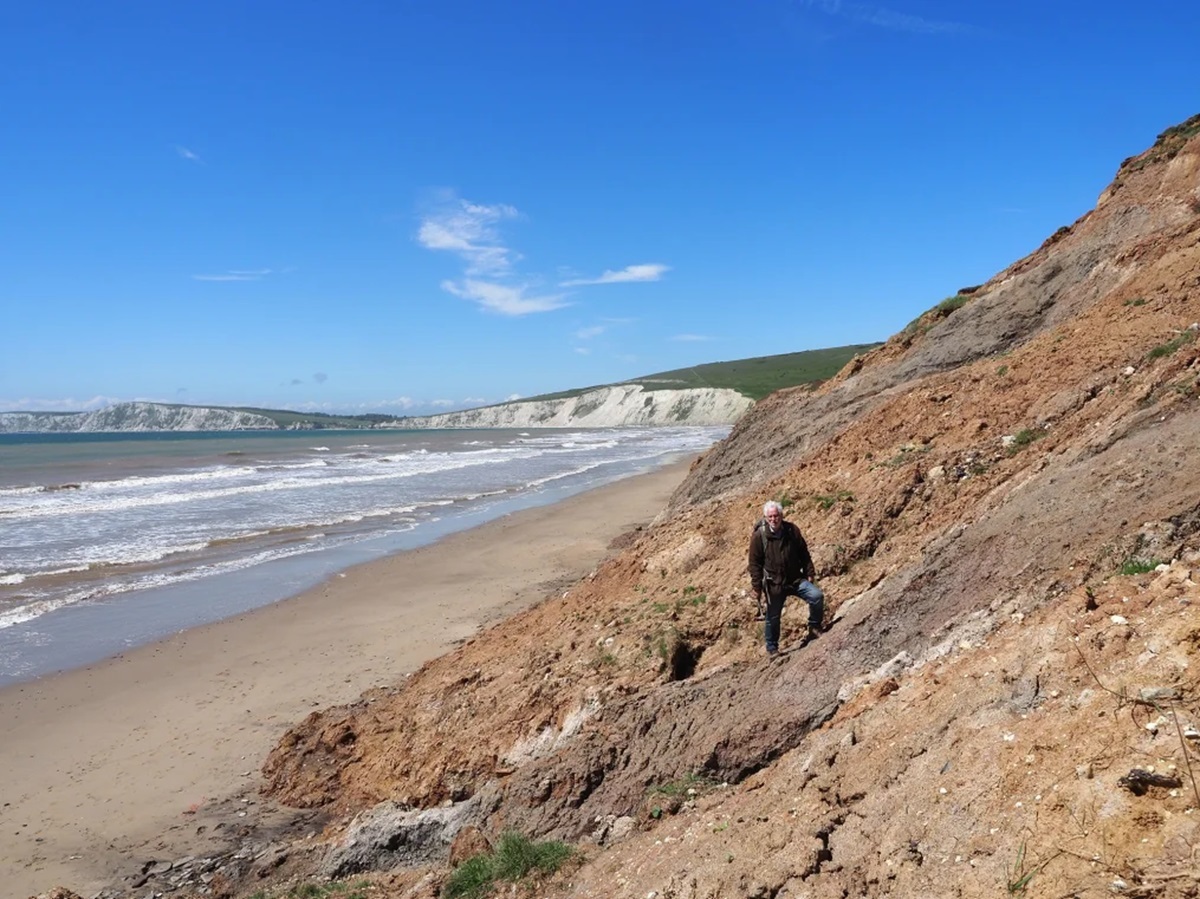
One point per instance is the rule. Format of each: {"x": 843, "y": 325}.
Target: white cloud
{"x": 31, "y": 404}
{"x": 583, "y": 351}
{"x": 185, "y": 153}
{"x": 512, "y": 398}
{"x": 650, "y": 271}
{"x": 502, "y": 298}
{"x": 235, "y": 275}
{"x": 590, "y": 332}
{"x": 469, "y": 230}
{"x": 881, "y": 17}
{"x": 400, "y": 402}
{"x": 691, "y": 337}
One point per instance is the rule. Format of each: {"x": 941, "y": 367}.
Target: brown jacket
{"x": 781, "y": 559}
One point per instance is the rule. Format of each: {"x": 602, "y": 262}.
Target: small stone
{"x": 1155, "y": 694}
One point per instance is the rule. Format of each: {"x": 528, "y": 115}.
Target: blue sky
{"x": 406, "y": 206}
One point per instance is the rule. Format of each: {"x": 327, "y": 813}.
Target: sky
{"x": 404, "y": 207}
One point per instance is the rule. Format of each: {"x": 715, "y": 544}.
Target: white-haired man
{"x": 781, "y": 566}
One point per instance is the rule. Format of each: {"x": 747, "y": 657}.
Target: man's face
{"x": 774, "y": 519}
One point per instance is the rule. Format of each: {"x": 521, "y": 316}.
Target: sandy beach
{"x": 112, "y": 765}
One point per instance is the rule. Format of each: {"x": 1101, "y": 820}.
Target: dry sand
{"x": 110, "y": 766}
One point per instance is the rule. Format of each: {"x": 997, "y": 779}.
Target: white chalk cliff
{"x": 137, "y": 417}
{"x": 624, "y": 405}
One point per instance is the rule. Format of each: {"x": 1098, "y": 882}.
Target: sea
{"x": 109, "y": 541}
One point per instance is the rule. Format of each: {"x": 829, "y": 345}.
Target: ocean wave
{"x": 44, "y": 602}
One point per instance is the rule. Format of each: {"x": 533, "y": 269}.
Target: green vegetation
{"x": 827, "y": 502}
{"x": 1166, "y": 147}
{"x": 930, "y": 317}
{"x": 1136, "y": 565}
{"x": 1024, "y": 437}
{"x": 514, "y": 858}
{"x": 906, "y": 454}
{"x": 1019, "y": 876}
{"x": 948, "y": 305}
{"x": 669, "y": 797}
{"x": 754, "y": 378}
{"x": 1166, "y": 349}
{"x": 604, "y": 660}
{"x": 695, "y": 782}
{"x": 313, "y": 420}
{"x": 1136, "y": 301}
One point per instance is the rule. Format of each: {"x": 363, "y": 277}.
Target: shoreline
{"x": 108, "y": 765}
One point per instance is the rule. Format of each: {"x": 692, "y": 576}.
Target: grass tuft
{"x": 1135, "y": 565}
{"x": 515, "y": 858}
{"x": 1166, "y": 349}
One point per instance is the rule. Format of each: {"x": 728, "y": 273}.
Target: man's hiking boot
{"x": 809, "y": 635}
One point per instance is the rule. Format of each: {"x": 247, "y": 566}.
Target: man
{"x": 781, "y": 566}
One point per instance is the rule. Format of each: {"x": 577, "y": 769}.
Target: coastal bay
{"x": 115, "y": 764}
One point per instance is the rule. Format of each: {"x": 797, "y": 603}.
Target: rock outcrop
{"x": 623, "y": 405}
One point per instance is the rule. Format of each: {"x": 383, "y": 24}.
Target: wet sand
{"x": 111, "y": 765}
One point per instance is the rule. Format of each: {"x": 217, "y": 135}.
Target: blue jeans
{"x": 777, "y": 595}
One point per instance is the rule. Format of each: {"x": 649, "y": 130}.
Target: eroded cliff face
{"x": 137, "y": 417}
{"x": 623, "y": 405}
{"x": 968, "y": 725}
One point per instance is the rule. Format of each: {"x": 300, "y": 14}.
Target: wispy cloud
{"x": 185, "y": 153}
{"x": 583, "y": 350}
{"x": 503, "y": 298}
{"x": 472, "y": 232}
{"x": 650, "y": 271}
{"x": 691, "y": 337}
{"x": 233, "y": 275}
{"x": 882, "y": 17}
{"x": 590, "y": 332}
{"x": 41, "y": 404}
{"x": 469, "y": 230}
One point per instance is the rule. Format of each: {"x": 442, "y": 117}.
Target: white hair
{"x": 770, "y": 505}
